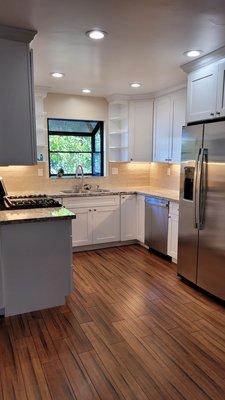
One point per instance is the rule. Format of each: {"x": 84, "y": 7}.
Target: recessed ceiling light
{"x": 57, "y": 74}
{"x": 193, "y": 53}
{"x": 96, "y": 34}
{"x": 135, "y": 84}
{"x": 86, "y": 90}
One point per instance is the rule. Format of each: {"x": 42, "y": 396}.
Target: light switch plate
{"x": 115, "y": 171}
{"x": 168, "y": 171}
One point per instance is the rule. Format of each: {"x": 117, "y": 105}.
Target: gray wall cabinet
{"x": 17, "y": 118}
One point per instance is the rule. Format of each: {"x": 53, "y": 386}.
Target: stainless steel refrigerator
{"x": 201, "y": 246}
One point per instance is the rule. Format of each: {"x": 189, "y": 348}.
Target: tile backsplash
{"x": 28, "y": 179}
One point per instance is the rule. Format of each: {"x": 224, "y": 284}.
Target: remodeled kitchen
{"x": 112, "y": 201}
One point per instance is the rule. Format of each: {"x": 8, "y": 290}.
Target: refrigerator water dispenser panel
{"x": 189, "y": 173}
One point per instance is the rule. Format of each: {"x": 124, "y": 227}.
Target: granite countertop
{"x": 35, "y": 215}
{"x": 172, "y": 195}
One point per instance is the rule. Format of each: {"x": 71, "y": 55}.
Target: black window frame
{"x": 99, "y": 125}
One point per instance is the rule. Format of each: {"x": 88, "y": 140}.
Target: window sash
{"x": 99, "y": 126}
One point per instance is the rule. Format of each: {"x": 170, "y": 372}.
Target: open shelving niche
{"x": 118, "y": 131}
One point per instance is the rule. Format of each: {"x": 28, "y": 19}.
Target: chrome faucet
{"x": 80, "y": 171}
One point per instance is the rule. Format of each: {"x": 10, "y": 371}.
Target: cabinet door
{"x": 178, "y": 104}
{"x": 128, "y": 217}
{"x": 140, "y": 130}
{"x": 201, "y": 93}
{"x": 106, "y": 224}
{"x": 82, "y": 227}
{"x": 162, "y": 129}
{"x": 220, "y": 108}
{"x": 141, "y": 218}
{"x": 172, "y": 245}
{"x": 17, "y": 122}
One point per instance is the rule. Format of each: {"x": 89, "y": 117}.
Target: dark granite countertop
{"x": 35, "y": 215}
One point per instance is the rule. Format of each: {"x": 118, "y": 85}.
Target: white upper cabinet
{"x": 220, "y": 104}
{"x": 178, "y": 105}
{"x": 202, "y": 93}
{"x": 140, "y": 130}
{"x": 17, "y": 119}
{"x": 169, "y": 117}
{"x": 162, "y": 129}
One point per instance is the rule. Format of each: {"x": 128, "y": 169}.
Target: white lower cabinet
{"x": 173, "y": 230}
{"x": 82, "y": 227}
{"x": 128, "y": 217}
{"x": 106, "y": 224}
{"x": 141, "y": 218}
{"x": 97, "y": 219}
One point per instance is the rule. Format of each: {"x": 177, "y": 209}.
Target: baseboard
{"x": 104, "y": 245}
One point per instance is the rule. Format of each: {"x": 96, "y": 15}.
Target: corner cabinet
{"x": 169, "y": 117}
{"x": 140, "y": 130}
{"x": 130, "y": 130}
{"x": 17, "y": 119}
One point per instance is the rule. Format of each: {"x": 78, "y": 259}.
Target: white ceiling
{"x": 146, "y": 40}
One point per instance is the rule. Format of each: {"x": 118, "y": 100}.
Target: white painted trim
{"x": 145, "y": 96}
{"x": 205, "y": 60}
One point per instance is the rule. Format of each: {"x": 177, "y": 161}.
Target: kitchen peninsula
{"x": 35, "y": 259}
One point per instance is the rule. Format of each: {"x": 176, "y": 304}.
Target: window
{"x": 74, "y": 142}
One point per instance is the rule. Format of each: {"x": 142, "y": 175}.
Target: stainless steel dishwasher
{"x": 156, "y": 223}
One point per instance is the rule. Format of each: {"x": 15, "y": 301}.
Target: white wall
{"x": 76, "y": 107}
{"x": 79, "y": 107}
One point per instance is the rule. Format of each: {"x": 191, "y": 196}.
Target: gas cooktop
{"x": 30, "y": 201}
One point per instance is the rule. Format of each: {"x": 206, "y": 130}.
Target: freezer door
{"x": 192, "y": 140}
{"x": 211, "y": 259}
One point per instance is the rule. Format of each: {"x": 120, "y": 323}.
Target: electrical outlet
{"x": 115, "y": 171}
{"x": 168, "y": 171}
{"x": 40, "y": 172}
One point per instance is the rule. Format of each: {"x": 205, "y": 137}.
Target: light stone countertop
{"x": 35, "y": 215}
{"x": 43, "y": 214}
{"x": 172, "y": 195}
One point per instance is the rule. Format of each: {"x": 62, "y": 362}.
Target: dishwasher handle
{"x": 156, "y": 202}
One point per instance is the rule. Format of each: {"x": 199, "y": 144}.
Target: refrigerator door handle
{"x": 203, "y": 188}
{"x": 198, "y": 173}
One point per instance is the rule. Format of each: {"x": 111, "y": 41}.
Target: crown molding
{"x": 146, "y": 96}
{"x": 126, "y": 97}
{"x": 205, "y": 60}
{"x": 17, "y": 34}
{"x": 169, "y": 90}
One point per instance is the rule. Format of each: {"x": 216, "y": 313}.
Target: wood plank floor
{"x": 130, "y": 330}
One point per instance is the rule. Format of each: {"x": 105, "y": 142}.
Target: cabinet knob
{"x": 218, "y": 113}
{"x": 95, "y": 209}
{"x": 89, "y": 210}
{"x": 212, "y": 114}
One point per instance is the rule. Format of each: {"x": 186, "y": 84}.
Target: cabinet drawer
{"x": 92, "y": 201}
{"x": 174, "y": 208}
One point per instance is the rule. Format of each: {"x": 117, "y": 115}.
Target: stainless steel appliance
{"x": 24, "y": 201}
{"x": 156, "y": 223}
{"x": 201, "y": 247}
